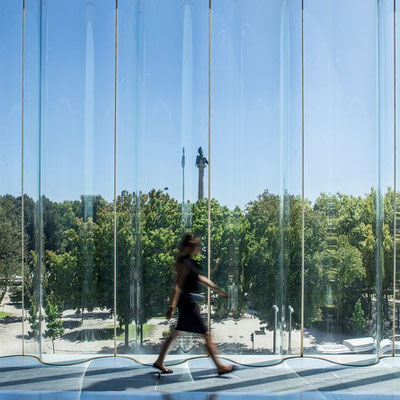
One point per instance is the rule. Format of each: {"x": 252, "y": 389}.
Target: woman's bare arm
{"x": 208, "y": 282}
{"x": 175, "y": 296}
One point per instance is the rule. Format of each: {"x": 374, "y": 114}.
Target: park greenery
{"x": 256, "y": 255}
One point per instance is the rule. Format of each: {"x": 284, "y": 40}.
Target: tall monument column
{"x": 201, "y": 163}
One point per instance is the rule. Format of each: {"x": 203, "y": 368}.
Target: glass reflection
{"x": 290, "y": 214}
{"x": 343, "y": 229}
{"x": 10, "y": 192}
{"x": 396, "y": 230}
{"x": 252, "y": 87}
{"x": 31, "y": 172}
{"x": 163, "y": 169}
{"x": 162, "y": 119}
{"x": 386, "y": 126}
{"x": 76, "y": 180}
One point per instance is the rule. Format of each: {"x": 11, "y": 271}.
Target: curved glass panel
{"x": 396, "y": 320}
{"x": 32, "y": 215}
{"x": 253, "y": 83}
{"x": 162, "y": 122}
{"x": 344, "y": 204}
{"x": 76, "y": 176}
{"x": 386, "y": 126}
{"x": 10, "y": 165}
{"x": 290, "y": 213}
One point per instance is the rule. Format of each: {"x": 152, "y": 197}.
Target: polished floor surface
{"x": 115, "y": 378}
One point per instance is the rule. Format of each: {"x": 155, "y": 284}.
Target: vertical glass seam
{"x": 283, "y": 159}
{"x": 378, "y": 207}
{"x": 40, "y": 200}
{"x": 394, "y": 177}
{"x": 209, "y": 170}
{"x": 302, "y": 182}
{"x": 115, "y": 178}
{"x": 22, "y": 180}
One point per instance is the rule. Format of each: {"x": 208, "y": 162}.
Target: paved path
{"x": 88, "y": 335}
{"x": 114, "y": 378}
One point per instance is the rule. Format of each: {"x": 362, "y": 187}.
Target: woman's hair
{"x": 189, "y": 241}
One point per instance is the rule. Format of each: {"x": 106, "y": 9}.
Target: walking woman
{"x": 187, "y": 282}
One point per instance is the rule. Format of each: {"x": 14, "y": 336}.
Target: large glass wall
{"x": 129, "y": 120}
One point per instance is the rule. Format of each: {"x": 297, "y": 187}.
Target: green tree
{"x": 291, "y": 257}
{"x": 388, "y": 240}
{"x": 60, "y": 278}
{"x": 53, "y": 323}
{"x": 228, "y": 258}
{"x": 160, "y": 236}
{"x": 104, "y": 251}
{"x": 52, "y": 227}
{"x": 70, "y": 272}
{"x": 10, "y": 243}
{"x": 33, "y": 322}
{"x": 127, "y": 260}
{"x": 358, "y": 319}
{"x": 262, "y": 255}
{"x": 257, "y": 250}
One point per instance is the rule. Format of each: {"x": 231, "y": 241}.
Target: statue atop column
{"x": 201, "y": 163}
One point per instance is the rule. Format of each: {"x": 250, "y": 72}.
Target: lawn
{"x": 132, "y": 329}
{"x": 4, "y": 314}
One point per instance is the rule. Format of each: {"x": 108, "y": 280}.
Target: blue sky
{"x": 163, "y": 96}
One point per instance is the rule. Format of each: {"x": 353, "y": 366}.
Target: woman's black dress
{"x": 189, "y": 318}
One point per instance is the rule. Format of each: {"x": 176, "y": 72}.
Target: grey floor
{"x": 115, "y": 378}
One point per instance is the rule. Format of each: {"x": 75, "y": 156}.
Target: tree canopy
{"x": 255, "y": 255}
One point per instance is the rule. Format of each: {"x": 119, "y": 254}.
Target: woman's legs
{"x": 164, "y": 349}
{"x": 213, "y": 354}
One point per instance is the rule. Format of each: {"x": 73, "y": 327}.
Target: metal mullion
{"x": 115, "y": 179}
{"x": 209, "y": 170}
{"x": 394, "y": 177}
{"x": 22, "y": 179}
{"x": 302, "y": 182}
